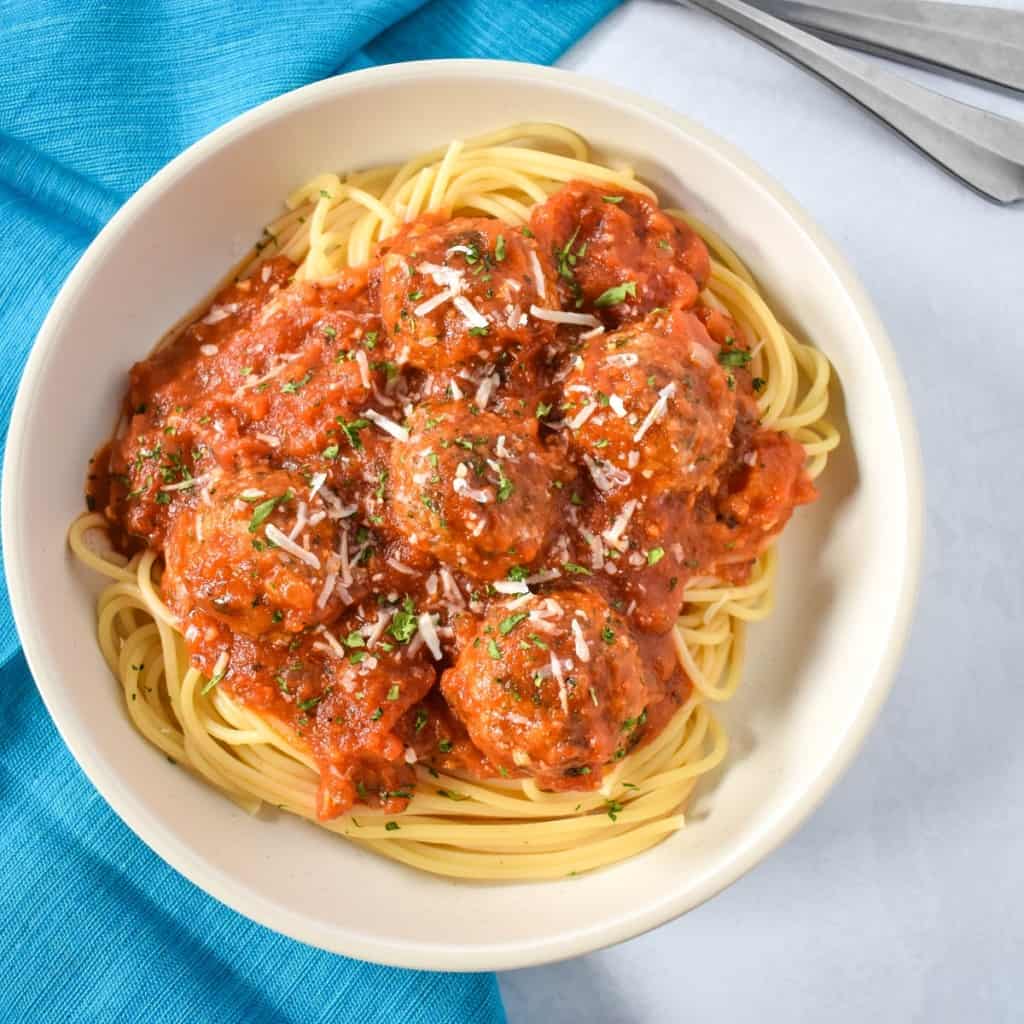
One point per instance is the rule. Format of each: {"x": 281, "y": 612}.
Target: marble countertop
{"x": 902, "y": 899}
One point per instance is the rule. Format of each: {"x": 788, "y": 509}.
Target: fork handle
{"x": 984, "y": 43}
{"x": 983, "y": 149}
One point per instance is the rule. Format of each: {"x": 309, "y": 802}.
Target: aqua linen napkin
{"x": 94, "y": 97}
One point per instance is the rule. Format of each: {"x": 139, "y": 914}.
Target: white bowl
{"x": 818, "y": 671}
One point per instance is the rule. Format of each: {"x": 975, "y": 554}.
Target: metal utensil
{"x": 984, "y": 43}
{"x": 982, "y": 149}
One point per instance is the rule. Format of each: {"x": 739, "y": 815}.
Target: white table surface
{"x": 902, "y": 899}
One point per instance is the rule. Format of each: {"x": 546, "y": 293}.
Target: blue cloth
{"x": 94, "y": 97}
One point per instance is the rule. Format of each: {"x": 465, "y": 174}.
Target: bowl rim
{"x": 441, "y": 955}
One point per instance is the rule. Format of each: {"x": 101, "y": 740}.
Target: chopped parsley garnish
{"x": 734, "y": 357}
{"x": 576, "y": 570}
{"x": 527, "y": 233}
{"x": 616, "y": 294}
{"x": 262, "y": 512}
{"x": 394, "y": 691}
{"x": 543, "y": 408}
{"x": 211, "y": 682}
{"x": 493, "y": 650}
{"x": 278, "y": 615}
{"x": 377, "y": 715}
{"x": 331, "y": 451}
{"x": 445, "y": 746}
{"x": 329, "y": 332}
{"x": 510, "y": 622}
{"x": 163, "y": 498}
{"x": 370, "y": 339}
{"x": 662, "y": 244}
{"x": 518, "y": 573}
{"x": 613, "y": 199}
{"x": 294, "y": 386}
{"x": 451, "y": 794}
{"x": 758, "y": 383}
{"x": 499, "y": 248}
{"x": 479, "y": 332}
{"x": 614, "y": 808}
{"x": 305, "y": 705}
{"x": 608, "y": 635}
{"x": 351, "y": 430}
{"x": 583, "y": 769}
{"x": 391, "y": 826}
{"x": 505, "y": 486}
{"x": 655, "y": 555}
{"x": 403, "y": 626}
{"x": 421, "y": 720}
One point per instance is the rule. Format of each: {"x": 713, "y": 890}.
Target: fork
{"x": 983, "y": 149}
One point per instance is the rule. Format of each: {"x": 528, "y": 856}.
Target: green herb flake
{"x": 505, "y": 487}
{"x": 576, "y": 570}
{"x": 734, "y": 357}
{"x": 655, "y": 555}
{"x": 394, "y": 691}
{"x": 294, "y": 386}
{"x": 452, "y": 794}
{"x": 499, "y": 248}
{"x": 445, "y": 746}
{"x": 510, "y": 622}
{"x": 351, "y": 430}
{"x": 616, "y": 294}
{"x": 210, "y": 683}
{"x": 613, "y": 199}
{"x": 262, "y": 512}
{"x": 493, "y": 650}
{"x": 421, "y": 720}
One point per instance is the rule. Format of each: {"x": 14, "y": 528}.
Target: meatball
{"x": 649, "y": 408}
{"x": 617, "y": 254}
{"x": 232, "y": 558}
{"x": 363, "y": 695}
{"x": 462, "y": 290}
{"x": 550, "y": 687}
{"x": 762, "y": 484}
{"x": 476, "y": 491}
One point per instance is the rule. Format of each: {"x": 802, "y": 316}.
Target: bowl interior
{"x": 816, "y": 673}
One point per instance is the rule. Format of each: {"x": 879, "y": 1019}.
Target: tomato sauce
{"x": 429, "y": 521}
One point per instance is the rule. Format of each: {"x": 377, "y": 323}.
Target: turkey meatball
{"x": 550, "y": 687}
{"x": 476, "y": 491}
{"x": 228, "y": 560}
{"x": 462, "y": 290}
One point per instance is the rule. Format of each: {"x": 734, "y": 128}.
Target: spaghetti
{"x": 455, "y": 825}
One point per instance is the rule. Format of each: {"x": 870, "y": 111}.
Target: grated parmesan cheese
{"x": 285, "y": 543}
